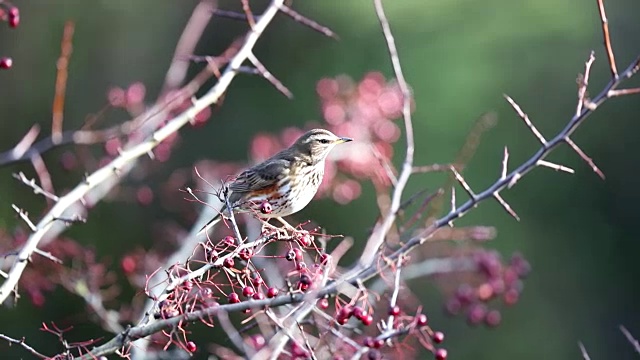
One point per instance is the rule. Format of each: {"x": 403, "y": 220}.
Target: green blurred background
{"x": 579, "y": 233}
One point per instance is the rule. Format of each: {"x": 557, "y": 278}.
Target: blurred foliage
{"x": 578, "y": 232}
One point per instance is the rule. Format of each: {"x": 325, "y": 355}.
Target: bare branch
{"x": 583, "y": 351}
{"x": 584, "y": 157}
{"x": 526, "y": 120}
{"x": 106, "y": 177}
{"x": 61, "y": 81}
{"x": 22, "y": 343}
{"x": 36, "y": 189}
{"x": 262, "y": 70}
{"x": 191, "y": 34}
{"x": 607, "y": 40}
{"x": 583, "y": 83}
{"x": 380, "y": 232}
{"x": 308, "y": 22}
{"x": 630, "y": 338}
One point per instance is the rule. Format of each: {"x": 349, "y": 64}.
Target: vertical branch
{"x": 379, "y": 233}
{"x": 61, "y": 81}
{"x": 607, "y": 40}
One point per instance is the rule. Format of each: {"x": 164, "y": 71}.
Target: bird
{"x": 284, "y": 183}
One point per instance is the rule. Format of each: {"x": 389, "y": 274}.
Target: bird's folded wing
{"x": 261, "y": 176}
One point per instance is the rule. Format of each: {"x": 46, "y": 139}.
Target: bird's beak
{"x": 343, "y": 140}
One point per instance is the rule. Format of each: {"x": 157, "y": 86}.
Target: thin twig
{"x": 66, "y": 48}
{"x": 630, "y": 338}
{"x": 607, "y": 40}
{"x": 22, "y": 343}
{"x": 380, "y": 232}
{"x": 262, "y": 70}
{"x": 583, "y": 351}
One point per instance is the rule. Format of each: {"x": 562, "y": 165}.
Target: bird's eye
{"x": 324, "y": 141}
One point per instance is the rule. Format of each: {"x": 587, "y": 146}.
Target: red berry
{"x": 346, "y": 311}
{"x": 476, "y": 314}
{"x": 374, "y": 355}
{"x": 248, "y": 291}
{"x": 228, "y": 262}
{"x": 233, "y": 298}
{"x": 206, "y": 293}
{"x": 301, "y": 266}
{"x": 14, "y": 21}
{"x": 305, "y": 279}
{"x": 511, "y": 296}
{"x": 359, "y": 313}
{"x": 6, "y": 63}
{"x": 493, "y": 318}
{"x": 323, "y": 303}
{"x": 324, "y": 258}
{"x": 187, "y": 285}
{"x": 257, "y": 281}
{"x": 258, "y": 341}
{"x": 305, "y": 240}
{"x": 265, "y": 207}
{"x": 14, "y": 17}
{"x": 441, "y": 354}
{"x": 367, "y": 320}
{"x": 246, "y": 254}
{"x": 394, "y": 311}
{"x": 453, "y": 306}
{"x": 128, "y": 264}
{"x": 378, "y": 343}
{"x": 368, "y": 342}
{"x": 290, "y": 255}
{"x": 272, "y": 292}
{"x": 421, "y": 320}
{"x": 229, "y": 240}
{"x": 191, "y": 346}
{"x": 258, "y": 296}
{"x": 298, "y": 254}
{"x": 438, "y": 337}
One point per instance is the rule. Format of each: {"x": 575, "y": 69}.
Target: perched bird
{"x": 284, "y": 183}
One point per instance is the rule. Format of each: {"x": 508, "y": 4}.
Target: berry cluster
{"x": 494, "y": 281}
{"x": 10, "y": 14}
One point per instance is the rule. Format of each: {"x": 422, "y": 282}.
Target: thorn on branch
{"x": 233, "y": 15}
{"x": 583, "y": 83}
{"x": 506, "y": 206}
{"x": 584, "y": 157}
{"x": 583, "y": 351}
{"x": 464, "y": 184}
{"x": 526, "y": 120}
{"x": 505, "y": 163}
{"x": 262, "y": 70}
{"x": 630, "y": 338}
{"x": 555, "y": 166}
{"x": 622, "y": 92}
{"x": 308, "y": 22}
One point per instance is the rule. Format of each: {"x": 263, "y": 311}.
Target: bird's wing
{"x": 261, "y": 176}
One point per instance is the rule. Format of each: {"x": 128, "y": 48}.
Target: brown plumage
{"x": 287, "y": 181}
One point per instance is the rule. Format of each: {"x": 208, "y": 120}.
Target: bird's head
{"x": 317, "y": 144}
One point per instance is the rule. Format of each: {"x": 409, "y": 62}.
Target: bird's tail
{"x": 216, "y": 219}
